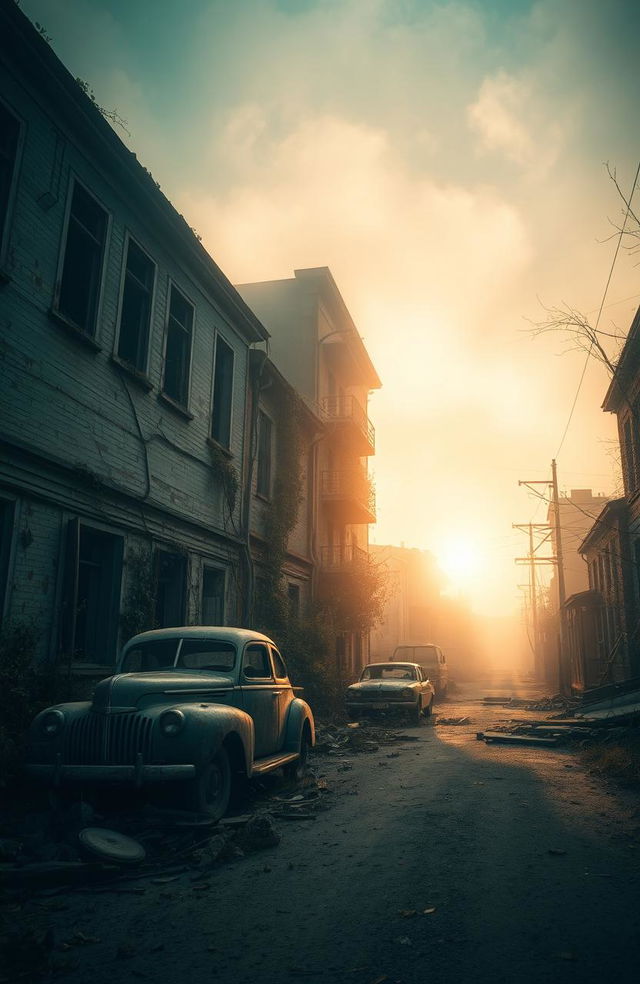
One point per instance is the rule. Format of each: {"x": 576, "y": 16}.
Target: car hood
{"x": 369, "y": 685}
{"x": 128, "y": 689}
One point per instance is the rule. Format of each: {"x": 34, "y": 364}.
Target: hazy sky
{"x": 446, "y": 161}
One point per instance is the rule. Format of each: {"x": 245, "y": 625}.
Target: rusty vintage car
{"x": 195, "y": 706}
{"x": 391, "y": 687}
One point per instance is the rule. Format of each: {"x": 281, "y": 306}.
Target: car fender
{"x": 41, "y": 749}
{"x": 206, "y": 729}
{"x": 299, "y": 713}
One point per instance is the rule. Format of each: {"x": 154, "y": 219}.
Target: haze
{"x": 446, "y": 161}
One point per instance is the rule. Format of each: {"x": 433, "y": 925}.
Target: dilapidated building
{"x": 125, "y": 355}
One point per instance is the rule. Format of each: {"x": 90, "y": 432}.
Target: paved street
{"x": 527, "y": 866}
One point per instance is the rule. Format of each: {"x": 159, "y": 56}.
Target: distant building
{"x": 316, "y": 347}
{"x": 578, "y": 510}
{"x": 411, "y": 611}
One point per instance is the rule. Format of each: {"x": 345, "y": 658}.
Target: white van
{"x": 432, "y": 660}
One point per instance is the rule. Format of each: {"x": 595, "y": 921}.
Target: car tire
{"x": 297, "y": 770}
{"x": 210, "y": 791}
{"x": 415, "y": 714}
{"x": 428, "y": 710}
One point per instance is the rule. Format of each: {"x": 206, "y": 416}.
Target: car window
{"x": 207, "y": 654}
{"x": 256, "y": 664}
{"x": 278, "y": 663}
{"x": 427, "y": 655}
{"x": 153, "y": 654}
{"x": 389, "y": 671}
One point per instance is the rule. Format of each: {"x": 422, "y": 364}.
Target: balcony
{"x": 343, "y": 559}
{"x": 348, "y": 496}
{"x": 349, "y": 420}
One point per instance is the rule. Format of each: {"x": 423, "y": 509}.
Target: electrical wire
{"x": 604, "y": 297}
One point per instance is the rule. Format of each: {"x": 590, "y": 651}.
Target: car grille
{"x": 114, "y": 739}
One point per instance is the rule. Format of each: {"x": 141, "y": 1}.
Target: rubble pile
{"x": 356, "y": 738}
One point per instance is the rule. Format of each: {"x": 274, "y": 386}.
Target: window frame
{"x": 226, "y": 446}
{"x": 137, "y": 370}
{"x": 221, "y": 572}
{"x": 12, "y": 195}
{"x": 183, "y": 407}
{"x": 91, "y": 336}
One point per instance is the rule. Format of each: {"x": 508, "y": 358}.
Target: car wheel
{"x": 210, "y": 792}
{"x": 428, "y": 710}
{"x": 297, "y": 770}
{"x": 415, "y": 714}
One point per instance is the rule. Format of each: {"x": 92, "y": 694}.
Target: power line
{"x": 604, "y": 297}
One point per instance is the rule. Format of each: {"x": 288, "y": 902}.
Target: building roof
{"x": 603, "y": 524}
{"x": 627, "y": 367}
{"x": 26, "y": 50}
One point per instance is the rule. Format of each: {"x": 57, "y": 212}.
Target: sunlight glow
{"x": 459, "y": 559}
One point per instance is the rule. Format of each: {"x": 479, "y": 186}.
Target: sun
{"x": 459, "y": 559}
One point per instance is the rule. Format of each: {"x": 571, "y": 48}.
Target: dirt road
{"x": 442, "y": 859}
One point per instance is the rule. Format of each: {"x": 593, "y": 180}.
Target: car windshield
{"x": 195, "y": 654}
{"x": 389, "y": 671}
{"x": 425, "y": 655}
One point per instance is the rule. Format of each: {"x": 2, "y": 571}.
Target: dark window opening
{"x": 93, "y": 574}
{"x": 9, "y": 134}
{"x": 213, "y": 597}
{"x": 83, "y": 261}
{"x": 171, "y": 571}
{"x": 222, "y": 394}
{"x": 178, "y": 349}
{"x": 135, "y": 313}
{"x": 293, "y": 596}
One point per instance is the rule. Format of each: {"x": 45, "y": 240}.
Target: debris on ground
{"x": 453, "y": 721}
{"x": 333, "y": 739}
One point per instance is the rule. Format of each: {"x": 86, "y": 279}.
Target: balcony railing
{"x": 350, "y": 494}
{"x": 346, "y": 410}
{"x": 343, "y": 558}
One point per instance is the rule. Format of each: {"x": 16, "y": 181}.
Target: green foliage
{"x": 226, "y": 473}
{"x": 308, "y": 646}
{"x": 282, "y": 512}
{"x": 138, "y": 612}
{"x": 357, "y": 599}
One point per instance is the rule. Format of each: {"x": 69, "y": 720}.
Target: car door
{"x": 260, "y": 697}
{"x": 284, "y": 692}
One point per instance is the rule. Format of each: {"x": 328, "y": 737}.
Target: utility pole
{"x": 565, "y": 670}
{"x": 531, "y": 560}
{"x": 557, "y": 559}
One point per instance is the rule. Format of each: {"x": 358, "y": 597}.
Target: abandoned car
{"x": 432, "y": 660}
{"x": 195, "y": 706}
{"x": 391, "y": 687}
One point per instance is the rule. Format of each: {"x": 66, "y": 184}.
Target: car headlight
{"x": 172, "y": 722}
{"x": 51, "y": 723}
{"x": 408, "y": 693}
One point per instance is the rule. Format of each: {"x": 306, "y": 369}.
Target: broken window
{"x": 222, "y": 394}
{"x": 170, "y": 591}
{"x": 135, "y": 310}
{"x": 263, "y": 480}
{"x": 9, "y": 136}
{"x": 177, "y": 358}
{"x": 91, "y": 599}
{"x": 213, "y": 596}
{"x": 83, "y": 261}
{"x": 293, "y": 597}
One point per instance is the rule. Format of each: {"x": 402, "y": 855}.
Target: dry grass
{"x": 617, "y": 759}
